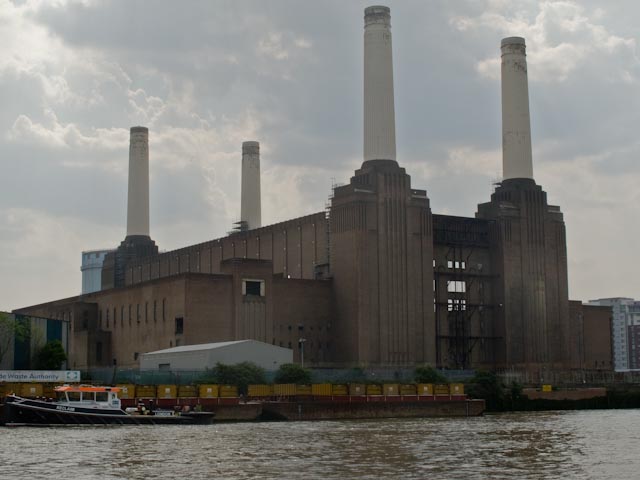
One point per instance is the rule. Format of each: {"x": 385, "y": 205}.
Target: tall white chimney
{"x": 250, "y": 211}
{"x": 138, "y": 199}
{"x": 379, "y": 113}
{"x": 516, "y": 127}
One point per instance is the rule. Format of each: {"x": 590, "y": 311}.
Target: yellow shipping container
{"x": 260, "y": 391}
{"x": 303, "y": 389}
{"x": 441, "y": 389}
{"x": 321, "y": 389}
{"x": 408, "y": 389}
{"x": 425, "y": 389}
{"x": 167, "y": 391}
{"x": 15, "y": 388}
{"x": 227, "y": 391}
{"x": 188, "y": 391}
{"x": 374, "y": 389}
{"x": 127, "y": 390}
{"x": 391, "y": 389}
{"x": 339, "y": 389}
{"x": 31, "y": 390}
{"x": 208, "y": 391}
{"x": 547, "y": 388}
{"x": 456, "y": 388}
{"x": 356, "y": 389}
{"x": 48, "y": 390}
{"x": 282, "y": 389}
{"x": 145, "y": 391}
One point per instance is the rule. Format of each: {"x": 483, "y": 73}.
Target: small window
{"x": 253, "y": 287}
{"x": 449, "y": 263}
{"x": 179, "y": 326}
{"x": 98, "y": 351}
{"x": 135, "y": 355}
{"x": 457, "y": 286}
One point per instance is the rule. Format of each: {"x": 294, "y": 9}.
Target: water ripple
{"x": 545, "y": 445}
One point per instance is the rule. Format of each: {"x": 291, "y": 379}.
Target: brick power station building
{"x": 376, "y": 280}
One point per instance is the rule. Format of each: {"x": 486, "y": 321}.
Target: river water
{"x": 555, "y": 445}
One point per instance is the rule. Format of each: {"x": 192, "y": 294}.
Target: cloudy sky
{"x": 206, "y": 76}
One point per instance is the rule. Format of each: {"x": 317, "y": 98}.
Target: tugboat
{"x": 90, "y": 405}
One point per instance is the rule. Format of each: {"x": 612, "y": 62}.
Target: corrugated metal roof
{"x": 196, "y": 348}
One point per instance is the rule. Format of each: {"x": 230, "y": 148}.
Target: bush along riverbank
{"x": 504, "y": 398}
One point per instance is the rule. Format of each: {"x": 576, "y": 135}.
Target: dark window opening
{"x": 98, "y": 351}
{"x": 252, "y": 287}
{"x": 179, "y": 325}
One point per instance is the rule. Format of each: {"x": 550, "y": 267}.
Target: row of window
{"x": 114, "y": 318}
{"x": 308, "y": 344}
{"x": 301, "y": 327}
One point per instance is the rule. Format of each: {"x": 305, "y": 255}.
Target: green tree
{"x": 242, "y": 375}
{"x": 50, "y": 357}
{"x": 428, "y": 374}
{"x": 11, "y": 329}
{"x": 488, "y": 386}
{"x": 293, "y": 373}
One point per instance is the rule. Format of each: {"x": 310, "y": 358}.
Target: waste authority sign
{"x": 39, "y": 375}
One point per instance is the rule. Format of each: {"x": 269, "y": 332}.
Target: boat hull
{"x": 19, "y": 411}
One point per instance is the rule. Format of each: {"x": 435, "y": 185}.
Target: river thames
{"x": 582, "y": 445}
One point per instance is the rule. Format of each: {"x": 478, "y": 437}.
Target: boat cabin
{"x": 88, "y": 396}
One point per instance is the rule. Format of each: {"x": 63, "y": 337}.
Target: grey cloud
{"x": 207, "y": 76}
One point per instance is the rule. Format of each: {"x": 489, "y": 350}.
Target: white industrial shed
{"x": 206, "y": 355}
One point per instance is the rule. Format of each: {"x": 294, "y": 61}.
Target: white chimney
{"x": 379, "y": 113}
{"x": 250, "y": 211}
{"x": 138, "y": 199}
{"x": 516, "y": 127}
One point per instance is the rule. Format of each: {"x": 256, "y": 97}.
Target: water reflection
{"x": 580, "y": 445}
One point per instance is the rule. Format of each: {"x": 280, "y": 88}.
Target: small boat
{"x": 90, "y": 405}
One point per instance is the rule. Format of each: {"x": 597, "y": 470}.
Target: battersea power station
{"x": 375, "y": 280}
